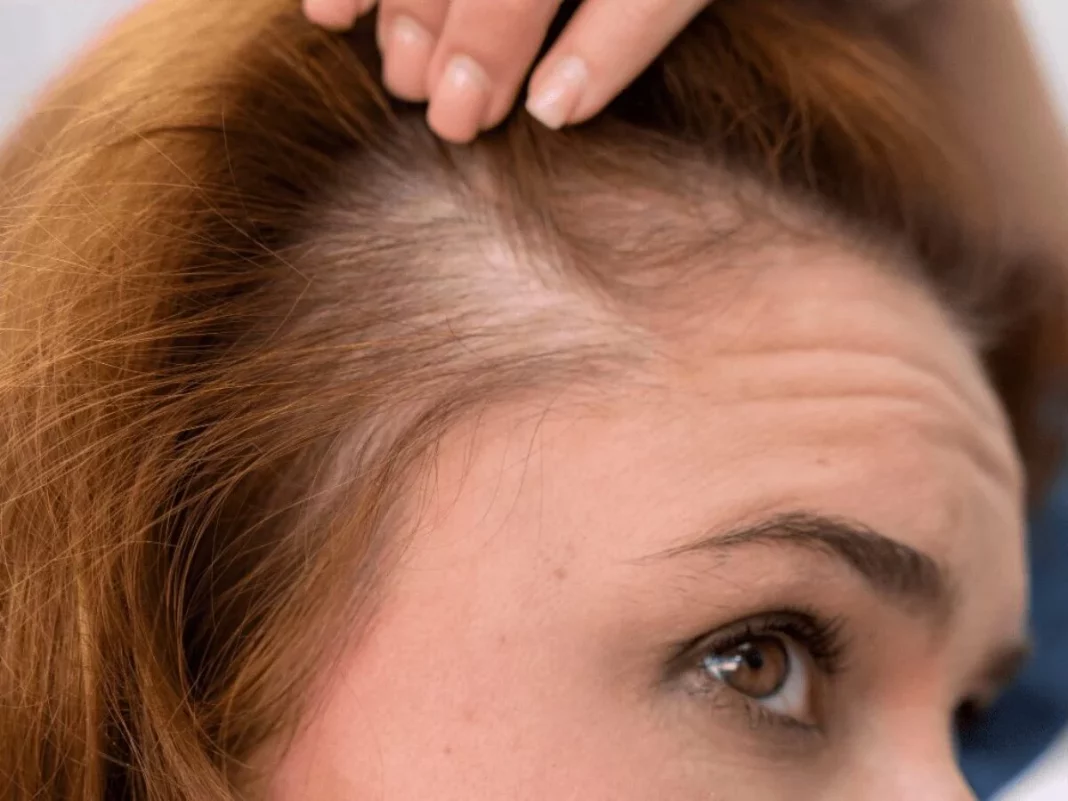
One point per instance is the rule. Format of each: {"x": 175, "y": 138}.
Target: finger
{"x": 493, "y": 42}
{"x": 606, "y": 46}
{"x": 408, "y": 33}
{"x": 336, "y": 15}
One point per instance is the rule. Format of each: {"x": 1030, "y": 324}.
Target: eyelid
{"x": 720, "y": 695}
{"x": 822, "y": 636}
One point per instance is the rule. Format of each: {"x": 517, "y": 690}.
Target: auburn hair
{"x": 244, "y": 291}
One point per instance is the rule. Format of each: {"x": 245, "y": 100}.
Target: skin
{"x": 469, "y": 58}
{"x": 528, "y": 645}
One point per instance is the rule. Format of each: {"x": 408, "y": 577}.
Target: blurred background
{"x": 38, "y": 36}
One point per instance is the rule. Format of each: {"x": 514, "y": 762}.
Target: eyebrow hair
{"x": 906, "y": 576}
{"x": 916, "y": 581}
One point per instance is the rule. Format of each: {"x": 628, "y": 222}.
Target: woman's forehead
{"x": 823, "y": 387}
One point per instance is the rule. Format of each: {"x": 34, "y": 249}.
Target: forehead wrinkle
{"x": 933, "y": 372}
{"x": 979, "y": 429}
{"x": 768, "y": 312}
{"x": 918, "y": 397}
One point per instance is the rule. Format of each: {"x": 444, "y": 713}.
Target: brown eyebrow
{"x": 914, "y": 580}
{"x": 908, "y": 577}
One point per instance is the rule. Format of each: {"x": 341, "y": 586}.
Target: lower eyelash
{"x": 822, "y": 638}
{"x": 722, "y": 697}
{"x": 762, "y": 716}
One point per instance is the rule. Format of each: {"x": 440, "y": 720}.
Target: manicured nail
{"x": 558, "y": 95}
{"x": 406, "y": 59}
{"x": 459, "y": 101}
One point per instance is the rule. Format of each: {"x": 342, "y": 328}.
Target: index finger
{"x": 607, "y": 44}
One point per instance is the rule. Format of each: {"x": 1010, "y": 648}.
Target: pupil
{"x": 758, "y": 668}
{"x": 754, "y": 660}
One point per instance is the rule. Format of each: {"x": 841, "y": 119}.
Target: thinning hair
{"x": 244, "y": 291}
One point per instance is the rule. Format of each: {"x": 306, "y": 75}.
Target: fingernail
{"x": 557, "y": 97}
{"x": 406, "y": 59}
{"x": 459, "y": 100}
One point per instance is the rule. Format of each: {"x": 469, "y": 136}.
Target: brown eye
{"x": 758, "y": 668}
{"x": 770, "y": 671}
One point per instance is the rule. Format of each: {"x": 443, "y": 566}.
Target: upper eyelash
{"x": 823, "y": 639}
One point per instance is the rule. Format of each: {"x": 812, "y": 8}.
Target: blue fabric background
{"x": 1030, "y": 716}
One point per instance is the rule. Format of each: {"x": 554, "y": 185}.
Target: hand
{"x": 469, "y": 57}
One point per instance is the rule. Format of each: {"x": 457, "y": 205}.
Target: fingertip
{"x": 615, "y": 47}
{"x": 336, "y": 15}
{"x": 406, "y": 52}
{"x": 501, "y": 105}
{"x": 558, "y": 92}
{"x": 458, "y": 102}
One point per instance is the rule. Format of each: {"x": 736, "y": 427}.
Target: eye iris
{"x": 758, "y": 668}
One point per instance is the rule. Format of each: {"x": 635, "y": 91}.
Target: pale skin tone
{"x": 812, "y": 468}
